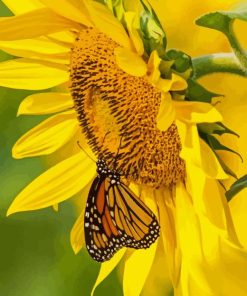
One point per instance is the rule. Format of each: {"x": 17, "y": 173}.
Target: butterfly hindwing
{"x": 135, "y": 222}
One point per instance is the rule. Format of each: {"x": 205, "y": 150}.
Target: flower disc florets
{"x": 118, "y": 112}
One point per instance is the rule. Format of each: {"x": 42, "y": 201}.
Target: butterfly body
{"x": 115, "y": 217}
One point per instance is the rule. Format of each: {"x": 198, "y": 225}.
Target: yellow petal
{"x": 104, "y": 20}
{"x": 176, "y": 83}
{"x": 55, "y": 207}
{"x": 133, "y": 32}
{"x": 166, "y": 115}
{"x": 65, "y": 38}
{"x": 26, "y": 74}
{"x": 189, "y": 137}
{"x": 210, "y": 163}
{"x": 205, "y": 267}
{"x": 19, "y": 7}
{"x": 77, "y": 234}
{"x": 130, "y": 62}
{"x": 153, "y": 67}
{"x": 238, "y": 207}
{"x": 139, "y": 263}
{"x": 196, "y": 112}
{"x": 197, "y": 152}
{"x": 46, "y": 137}
{"x": 45, "y": 103}
{"x": 166, "y": 208}
{"x": 40, "y": 45}
{"x": 72, "y": 10}
{"x": 63, "y": 59}
{"x": 44, "y": 20}
{"x": 55, "y": 185}
{"x": 107, "y": 267}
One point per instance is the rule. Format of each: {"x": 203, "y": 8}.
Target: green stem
{"x": 237, "y": 48}
{"x": 217, "y": 63}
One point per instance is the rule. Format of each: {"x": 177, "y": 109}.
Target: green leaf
{"x": 236, "y": 187}
{"x": 153, "y": 35}
{"x": 181, "y": 61}
{"x": 196, "y": 92}
{"x": 223, "y": 22}
{"x": 216, "y": 145}
{"x": 225, "y": 167}
{"x": 217, "y": 128}
{"x": 216, "y": 20}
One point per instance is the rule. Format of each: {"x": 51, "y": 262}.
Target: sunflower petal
{"x": 107, "y": 267}
{"x": 176, "y": 83}
{"x": 130, "y": 62}
{"x": 45, "y": 103}
{"x": 18, "y": 7}
{"x": 166, "y": 208}
{"x": 72, "y": 10}
{"x": 26, "y": 74}
{"x": 133, "y": 32}
{"x": 210, "y": 163}
{"x": 166, "y": 115}
{"x": 41, "y": 45}
{"x": 139, "y": 263}
{"x": 205, "y": 271}
{"x": 46, "y": 137}
{"x": 77, "y": 234}
{"x": 55, "y": 185}
{"x": 196, "y": 112}
{"x": 238, "y": 207}
{"x": 44, "y": 20}
{"x": 55, "y": 207}
{"x": 153, "y": 67}
{"x": 104, "y": 20}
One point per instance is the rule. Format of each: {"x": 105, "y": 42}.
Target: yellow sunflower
{"x": 96, "y": 61}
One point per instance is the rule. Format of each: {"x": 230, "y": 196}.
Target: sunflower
{"x": 108, "y": 87}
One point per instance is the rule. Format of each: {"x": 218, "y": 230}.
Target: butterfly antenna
{"x": 78, "y": 143}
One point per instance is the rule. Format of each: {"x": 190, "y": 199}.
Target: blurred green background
{"x": 36, "y": 258}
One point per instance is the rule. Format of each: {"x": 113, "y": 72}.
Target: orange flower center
{"x": 117, "y": 113}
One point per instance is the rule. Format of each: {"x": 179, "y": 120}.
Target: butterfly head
{"x": 103, "y": 170}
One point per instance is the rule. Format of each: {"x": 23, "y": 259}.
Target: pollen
{"x": 117, "y": 113}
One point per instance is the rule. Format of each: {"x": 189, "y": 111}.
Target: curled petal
{"x": 176, "y": 83}
{"x": 55, "y": 185}
{"x": 153, "y": 67}
{"x": 166, "y": 115}
{"x": 130, "y": 62}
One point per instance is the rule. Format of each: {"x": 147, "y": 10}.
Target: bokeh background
{"x": 36, "y": 258}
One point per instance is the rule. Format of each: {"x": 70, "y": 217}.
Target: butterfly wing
{"x": 115, "y": 217}
{"x": 135, "y": 222}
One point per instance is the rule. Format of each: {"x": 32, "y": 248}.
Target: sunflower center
{"x": 118, "y": 113}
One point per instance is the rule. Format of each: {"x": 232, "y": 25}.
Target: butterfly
{"x": 115, "y": 217}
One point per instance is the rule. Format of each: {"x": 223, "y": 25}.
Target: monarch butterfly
{"x": 115, "y": 217}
